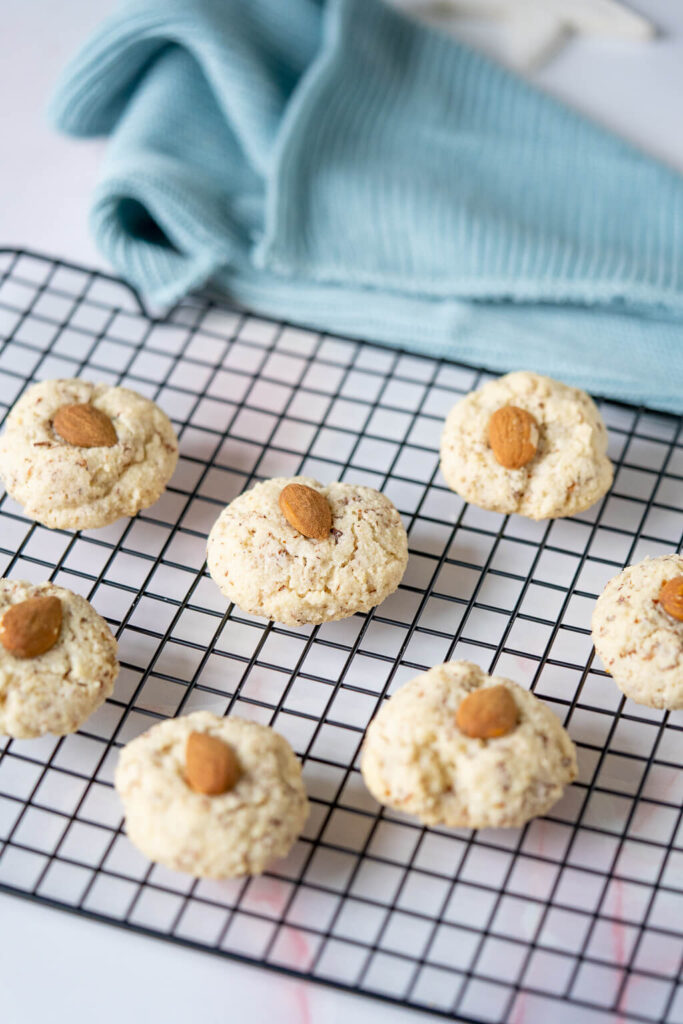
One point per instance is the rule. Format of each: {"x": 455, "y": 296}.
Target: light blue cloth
{"x": 339, "y": 166}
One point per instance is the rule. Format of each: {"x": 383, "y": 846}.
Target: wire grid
{"x": 576, "y": 917}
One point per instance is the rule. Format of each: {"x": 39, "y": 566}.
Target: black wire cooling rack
{"x": 576, "y": 917}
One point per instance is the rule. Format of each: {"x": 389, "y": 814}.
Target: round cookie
{"x": 639, "y": 642}
{"x": 55, "y": 691}
{"x": 238, "y": 832}
{"x": 416, "y": 759}
{"x": 570, "y": 470}
{"x": 269, "y": 568}
{"x": 69, "y": 486}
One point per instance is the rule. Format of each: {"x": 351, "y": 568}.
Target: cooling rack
{"x": 574, "y": 918}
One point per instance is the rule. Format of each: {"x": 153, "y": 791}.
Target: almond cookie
{"x": 527, "y": 444}
{"x": 638, "y": 631}
{"x": 215, "y": 797}
{"x": 57, "y": 659}
{"x": 78, "y": 455}
{"x": 460, "y": 748}
{"x": 299, "y": 552}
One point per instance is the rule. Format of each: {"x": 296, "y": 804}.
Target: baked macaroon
{"x": 57, "y": 659}
{"x": 458, "y": 747}
{"x": 214, "y": 797}
{"x": 297, "y": 551}
{"x": 529, "y": 445}
{"x": 77, "y": 455}
{"x": 637, "y": 628}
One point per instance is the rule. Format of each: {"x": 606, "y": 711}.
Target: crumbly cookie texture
{"x": 570, "y": 470}
{"x": 56, "y": 691}
{"x": 415, "y": 759}
{"x": 640, "y": 645}
{"x": 73, "y": 488}
{"x": 268, "y": 568}
{"x": 235, "y": 833}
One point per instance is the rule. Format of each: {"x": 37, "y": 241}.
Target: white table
{"x": 50, "y": 960}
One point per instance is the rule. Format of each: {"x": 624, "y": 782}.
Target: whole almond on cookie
{"x": 84, "y": 426}
{"x": 307, "y": 510}
{"x": 487, "y": 713}
{"x": 31, "y": 627}
{"x": 671, "y": 598}
{"x": 211, "y": 766}
{"x": 513, "y": 436}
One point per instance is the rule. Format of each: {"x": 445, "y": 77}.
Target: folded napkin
{"x": 337, "y": 165}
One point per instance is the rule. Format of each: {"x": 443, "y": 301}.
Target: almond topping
{"x": 513, "y": 436}
{"x": 84, "y": 426}
{"x": 307, "y": 510}
{"x": 211, "y": 766}
{"x": 487, "y": 713}
{"x": 31, "y": 627}
{"x": 671, "y": 598}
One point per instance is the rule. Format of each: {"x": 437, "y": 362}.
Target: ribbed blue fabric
{"x": 339, "y": 166}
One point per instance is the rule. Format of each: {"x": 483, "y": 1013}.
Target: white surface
{"x": 45, "y": 179}
{"x": 536, "y": 30}
{"x": 45, "y": 184}
{"x": 82, "y": 965}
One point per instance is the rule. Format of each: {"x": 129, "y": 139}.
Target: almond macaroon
{"x": 457, "y": 747}
{"x": 57, "y": 659}
{"x": 78, "y": 455}
{"x": 214, "y": 797}
{"x": 298, "y": 551}
{"x": 637, "y": 630}
{"x": 529, "y": 445}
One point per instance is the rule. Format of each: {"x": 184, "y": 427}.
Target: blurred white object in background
{"x": 527, "y": 33}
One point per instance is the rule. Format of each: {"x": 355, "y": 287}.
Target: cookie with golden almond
{"x": 77, "y": 455}
{"x": 458, "y": 747}
{"x": 57, "y": 659}
{"x": 214, "y": 797}
{"x": 298, "y": 551}
{"x": 529, "y": 445}
{"x": 637, "y": 628}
